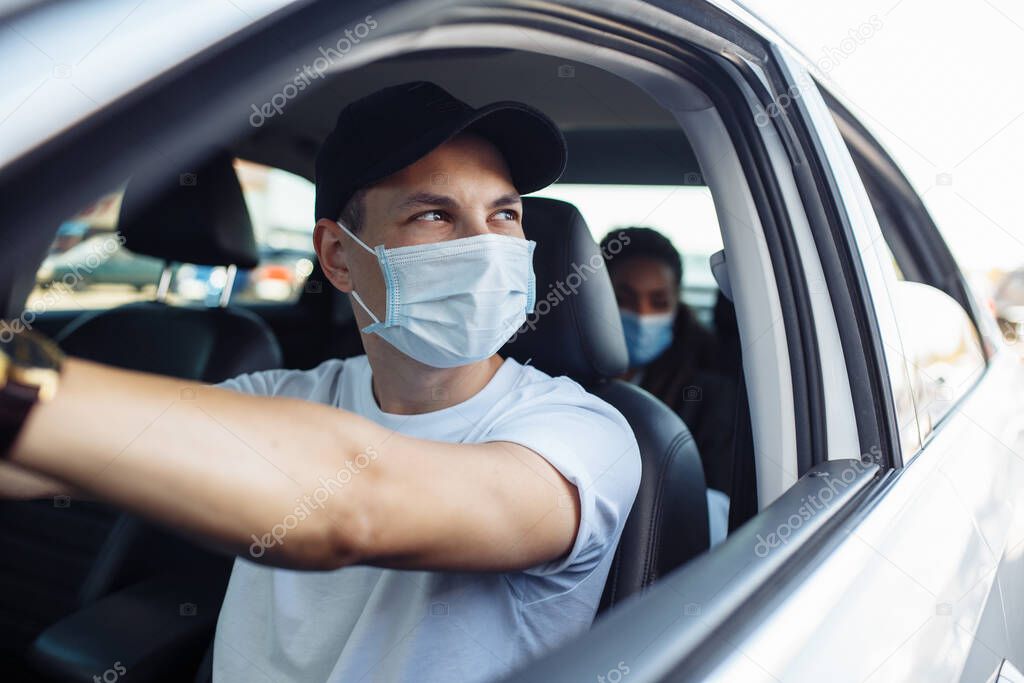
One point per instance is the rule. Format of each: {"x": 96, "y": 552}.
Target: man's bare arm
{"x": 229, "y": 468}
{"x": 17, "y": 483}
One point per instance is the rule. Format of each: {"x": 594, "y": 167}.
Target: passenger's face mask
{"x": 453, "y": 303}
{"x": 647, "y": 336}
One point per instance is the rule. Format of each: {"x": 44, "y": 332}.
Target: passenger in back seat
{"x": 672, "y": 356}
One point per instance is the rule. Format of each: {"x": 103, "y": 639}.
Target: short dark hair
{"x": 636, "y": 242}
{"x": 354, "y": 213}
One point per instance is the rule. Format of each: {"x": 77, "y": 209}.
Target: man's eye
{"x": 431, "y": 216}
{"x": 509, "y": 214}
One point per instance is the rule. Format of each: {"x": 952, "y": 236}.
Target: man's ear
{"x": 330, "y": 249}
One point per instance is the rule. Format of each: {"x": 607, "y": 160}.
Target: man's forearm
{"x": 17, "y": 483}
{"x": 206, "y": 461}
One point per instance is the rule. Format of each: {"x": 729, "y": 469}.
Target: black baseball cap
{"x": 392, "y": 128}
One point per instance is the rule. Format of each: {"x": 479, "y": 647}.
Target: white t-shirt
{"x": 369, "y": 624}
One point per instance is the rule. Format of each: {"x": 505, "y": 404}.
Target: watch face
{"x": 34, "y": 361}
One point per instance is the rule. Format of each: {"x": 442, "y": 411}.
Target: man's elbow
{"x": 322, "y": 541}
{"x": 332, "y": 526}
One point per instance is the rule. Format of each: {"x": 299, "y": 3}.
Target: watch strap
{"x": 16, "y": 401}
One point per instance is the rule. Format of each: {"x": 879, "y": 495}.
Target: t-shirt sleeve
{"x": 593, "y": 447}
{"x": 262, "y": 383}
{"x": 306, "y": 384}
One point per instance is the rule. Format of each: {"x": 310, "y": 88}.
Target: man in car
{"x": 459, "y": 510}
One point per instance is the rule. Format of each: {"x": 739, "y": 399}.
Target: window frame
{"x": 834, "y": 205}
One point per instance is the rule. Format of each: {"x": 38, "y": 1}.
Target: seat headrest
{"x": 196, "y": 216}
{"x": 575, "y": 328}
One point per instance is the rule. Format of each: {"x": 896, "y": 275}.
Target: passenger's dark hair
{"x": 622, "y": 244}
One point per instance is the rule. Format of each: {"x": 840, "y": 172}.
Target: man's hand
{"x": 294, "y": 483}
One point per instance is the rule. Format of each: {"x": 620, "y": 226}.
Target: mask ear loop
{"x": 355, "y": 294}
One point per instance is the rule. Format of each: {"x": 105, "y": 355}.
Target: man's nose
{"x": 471, "y": 227}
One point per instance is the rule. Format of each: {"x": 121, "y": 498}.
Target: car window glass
{"x": 281, "y": 208}
{"x": 1011, "y": 289}
{"x": 941, "y": 347}
{"x": 943, "y": 352}
{"x": 89, "y": 268}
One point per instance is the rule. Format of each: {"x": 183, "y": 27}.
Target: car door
{"x": 925, "y": 578}
{"x": 919, "y": 576}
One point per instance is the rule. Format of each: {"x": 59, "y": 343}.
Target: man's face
{"x": 461, "y": 189}
{"x": 645, "y": 286}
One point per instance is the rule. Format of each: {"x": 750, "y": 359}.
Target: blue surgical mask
{"x": 647, "y": 336}
{"x": 456, "y": 302}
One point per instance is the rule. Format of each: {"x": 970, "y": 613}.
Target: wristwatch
{"x": 29, "y": 373}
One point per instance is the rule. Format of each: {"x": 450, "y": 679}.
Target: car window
{"x": 941, "y": 347}
{"x": 943, "y": 353}
{"x": 685, "y": 214}
{"x": 1011, "y": 289}
{"x": 88, "y": 266}
{"x": 281, "y": 208}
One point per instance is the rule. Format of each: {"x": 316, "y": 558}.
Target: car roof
{"x": 161, "y": 36}
{"x": 616, "y": 131}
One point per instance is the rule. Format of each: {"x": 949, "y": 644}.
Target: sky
{"x": 940, "y": 85}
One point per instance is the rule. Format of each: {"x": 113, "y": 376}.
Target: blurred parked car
{"x": 69, "y": 234}
{"x": 281, "y": 273}
{"x": 1009, "y": 304}
{"x": 99, "y": 259}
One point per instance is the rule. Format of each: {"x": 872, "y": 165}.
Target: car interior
{"x": 89, "y": 583}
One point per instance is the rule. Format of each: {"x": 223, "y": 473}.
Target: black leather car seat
{"x": 580, "y": 335}
{"x": 199, "y": 218}
{"x": 201, "y": 221}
